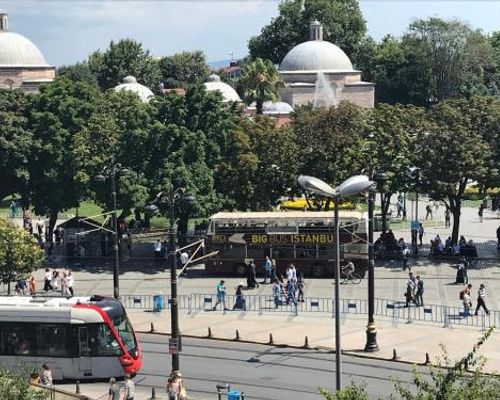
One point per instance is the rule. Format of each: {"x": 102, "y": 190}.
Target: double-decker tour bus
{"x": 77, "y": 337}
{"x": 304, "y": 238}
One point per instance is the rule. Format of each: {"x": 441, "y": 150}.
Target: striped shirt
{"x": 481, "y": 293}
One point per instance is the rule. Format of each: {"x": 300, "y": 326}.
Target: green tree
{"x": 342, "y": 19}
{"x": 453, "y": 154}
{"x": 330, "y": 141}
{"x": 14, "y": 385}
{"x": 259, "y": 82}
{"x": 79, "y": 72}
{"x": 182, "y": 69}
{"x": 122, "y": 58}
{"x": 16, "y": 142}
{"x": 58, "y": 114}
{"x": 20, "y": 253}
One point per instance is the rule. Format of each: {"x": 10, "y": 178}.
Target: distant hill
{"x": 219, "y": 64}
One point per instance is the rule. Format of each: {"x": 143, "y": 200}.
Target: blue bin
{"x": 233, "y": 395}
{"x": 158, "y": 302}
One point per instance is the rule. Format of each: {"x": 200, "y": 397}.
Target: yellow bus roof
{"x": 286, "y": 215}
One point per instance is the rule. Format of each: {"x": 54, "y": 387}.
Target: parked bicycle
{"x": 349, "y": 274}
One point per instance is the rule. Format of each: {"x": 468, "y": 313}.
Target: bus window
{"x": 16, "y": 340}
{"x": 51, "y": 340}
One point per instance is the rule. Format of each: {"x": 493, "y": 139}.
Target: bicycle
{"x": 349, "y": 274}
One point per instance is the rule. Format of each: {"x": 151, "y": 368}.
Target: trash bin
{"x": 158, "y": 302}
{"x": 233, "y": 395}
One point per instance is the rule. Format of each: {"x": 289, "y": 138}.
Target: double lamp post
{"x": 354, "y": 185}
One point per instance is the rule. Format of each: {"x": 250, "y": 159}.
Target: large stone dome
{"x": 316, "y": 55}
{"x": 130, "y": 84}
{"x": 18, "y": 51}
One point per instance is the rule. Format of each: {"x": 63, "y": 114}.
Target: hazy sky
{"x": 68, "y": 30}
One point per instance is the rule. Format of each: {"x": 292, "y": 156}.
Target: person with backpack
{"x": 466, "y": 299}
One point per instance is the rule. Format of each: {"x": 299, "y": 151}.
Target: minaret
{"x": 315, "y": 31}
{"x": 4, "y": 21}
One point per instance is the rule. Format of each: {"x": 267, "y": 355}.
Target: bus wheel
{"x": 318, "y": 270}
{"x": 240, "y": 269}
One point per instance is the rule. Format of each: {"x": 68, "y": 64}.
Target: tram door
{"x": 84, "y": 360}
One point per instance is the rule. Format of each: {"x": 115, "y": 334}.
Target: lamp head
{"x": 354, "y": 185}
{"x": 151, "y": 208}
{"x": 317, "y": 186}
{"x": 99, "y": 178}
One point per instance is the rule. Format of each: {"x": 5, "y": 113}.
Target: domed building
{"x": 22, "y": 64}
{"x": 214, "y": 83}
{"x": 130, "y": 84}
{"x": 319, "y": 72}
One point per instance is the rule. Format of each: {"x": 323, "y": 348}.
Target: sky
{"x": 67, "y": 31}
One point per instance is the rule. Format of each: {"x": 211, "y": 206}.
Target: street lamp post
{"x": 371, "y": 331}
{"x": 174, "y": 196}
{"x": 353, "y": 185}
{"x": 110, "y": 172}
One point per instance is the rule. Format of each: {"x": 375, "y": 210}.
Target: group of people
{"x": 464, "y": 248}
{"x": 414, "y": 290}
{"x": 45, "y": 378}
{"x": 128, "y": 389}
{"x": 59, "y": 281}
{"x": 26, "y": 286}
{"x": 466, "y": 297}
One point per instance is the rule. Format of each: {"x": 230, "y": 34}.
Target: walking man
{"x": 447, "y": 218}
{"x": 419, "y": 301}
{"x": 221, "y": 295}
{"x": 420, "y": 233}
{"x": 291, "y": 293}
{"x": 277, "y": 294}
{"x": 410, "y": 289}
{"x": 268, "y": 266}
{"x": 466, "y": 300}
{"x": 114, "y": 390}
{"x": 481, "y": 297}
{"x": 129, "y": 388}
{"x": 46, "y": 280}
{"x": 428, "y": 210}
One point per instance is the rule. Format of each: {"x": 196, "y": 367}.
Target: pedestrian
{"x": 239, "y": 302}
{"x": 498, "y": 237}
{"x": 70, "y": 282}
{"x": 419, "y": 301}
{"x": 129, "y": 388}
{"x": 221, "y": 295}
{"x": 466, "y": 299}
{"x": 128, "y": 242}
{"x": 406, "y": 257}
{"x": 56, "y": 280}
{"x": 277, "y": 293}
{"x": 274, "y": 271}
{"x": 21, "y": 287}
{"x": 300, "y": 286}
{"x": 291, "y": 293}
{"x": 268, "y": 266}
{"x": 410, "y": 289}
{"x": 184, "y": 258}
{"x": 64, "y": 285}
{"x": 46, "y": 280}
{"x": 175, "y": 387}
{"x": 428, "y": 210}
{"x": 114, "y": 390}
{"x": 251, "y": 275}
{"x": 157, "y": 249}
{"x": 480, "y": 212}
{"x": 46, "y": 375}
{"x": 481, "y": 299}
{"x": 447, "y": 217}
{"x": 32, "y": 285}
{"x": 420, "y": 233}
{"x": 399, "y": 208}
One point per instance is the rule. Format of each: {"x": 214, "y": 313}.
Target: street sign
{"x": 174, "y": 345}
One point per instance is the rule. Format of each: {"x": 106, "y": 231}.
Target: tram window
{"x": 103, "y": 342}
{"x": 15, "y": 340}
{"x": 51, "y": 340}
{"x": 124, "y": 330}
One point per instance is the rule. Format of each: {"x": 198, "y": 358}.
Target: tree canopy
{"x": 185, "y": 68}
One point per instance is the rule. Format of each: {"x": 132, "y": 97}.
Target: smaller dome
{"x": 214, "y": 83}
{"x": 213, "y": 78}
{"x": 130, "y": 84}
{"x": 280, "y": 107}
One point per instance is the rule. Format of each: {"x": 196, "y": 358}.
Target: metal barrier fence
{"x": 445, "y": 315}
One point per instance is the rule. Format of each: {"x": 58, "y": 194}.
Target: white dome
{"x": 316, "y": 55}
{"x": 228, "y": 93}
{"x": 130, "y": 84}
{"x": 280, "y": 107}
{"x": 18, "y": 51}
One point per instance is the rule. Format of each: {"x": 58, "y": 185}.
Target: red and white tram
{"x": 78, "y": 337}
